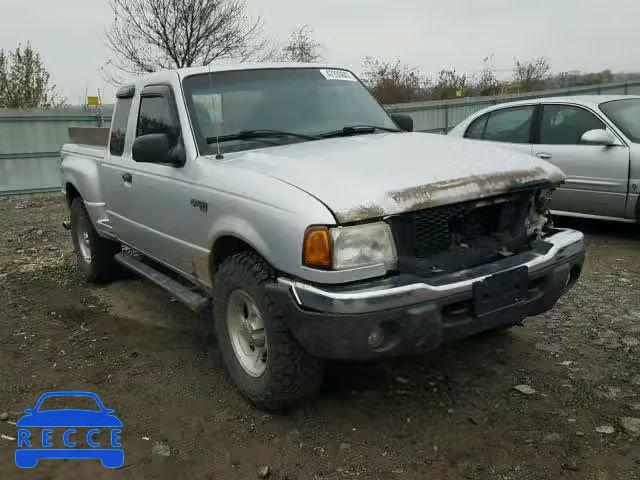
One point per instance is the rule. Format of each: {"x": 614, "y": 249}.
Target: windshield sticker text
{"x": 338, "y": 75}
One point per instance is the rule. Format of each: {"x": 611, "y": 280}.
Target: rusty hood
{"x": 370, "y": 176}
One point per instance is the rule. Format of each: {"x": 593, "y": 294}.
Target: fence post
{"x": 99, "y": 117}
{"x": 446, "y": 119}
{"x": 626, "y": 88}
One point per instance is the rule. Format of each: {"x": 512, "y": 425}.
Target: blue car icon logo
{"x": 69, "y": 425}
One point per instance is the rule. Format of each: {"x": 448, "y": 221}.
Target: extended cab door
{"x": 597, "y": 176}
{"x": 161, "y": 212}
{"x": 114, "y": 168}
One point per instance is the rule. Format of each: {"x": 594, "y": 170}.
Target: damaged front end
{"x": 457, "y": 237}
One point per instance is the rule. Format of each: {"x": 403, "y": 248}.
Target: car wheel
{"x": 95, "y": 254}
{"x": 259, "y": 352}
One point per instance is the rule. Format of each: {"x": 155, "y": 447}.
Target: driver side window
{"x": 158, "y": 114}
{"x": 565, "y": 124}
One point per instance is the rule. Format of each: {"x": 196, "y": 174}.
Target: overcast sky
{"x": 573, "y": 34}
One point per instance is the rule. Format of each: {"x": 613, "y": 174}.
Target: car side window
{"x": 512, "y": 125}
{"x": 565, "y": 124}
{"x": 158, "y": 114}
{"x": 476, "y": 129}
{"x": 119, "y": 126}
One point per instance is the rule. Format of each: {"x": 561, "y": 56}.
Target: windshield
{"x": 306, "y": 101}
{"x": 626, "y": 116}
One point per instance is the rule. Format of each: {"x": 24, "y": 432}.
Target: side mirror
{"x": 156, "y": 148}
{"x": 29, "y": 411}
{"x": 404, "y": 122}
{"x": 599, "y": 137}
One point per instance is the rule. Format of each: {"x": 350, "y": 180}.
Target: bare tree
{"x": 530, "y": 75}
{"x": 450, "y": 84}
{"x": 25, "y": 82}
{"x": 302, "y": 47}
{"x": 148, "y": 35}
{"x": 486, "y": 82}
{"x": 393, "y": 82}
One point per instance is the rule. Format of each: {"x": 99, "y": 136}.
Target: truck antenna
{"x": 218, "y": 122}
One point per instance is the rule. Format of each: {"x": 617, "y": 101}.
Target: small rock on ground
{"x": 552, "y": 438}
{"x": 4, "y": 416}
{"x": 631, "y": 341}
{"x": 606, "y": 429}
{"x": 263, "y": 471}
{"x": 525, "y": 389}
{"x": 572, "y": 466}
{"x": 631, "y": 425}
{"x": 161, "y": 450}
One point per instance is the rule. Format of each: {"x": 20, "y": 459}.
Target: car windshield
{"x": 290, "y": 103}
{"x": 626, "y": 116}
{"x": 69, "y": 402}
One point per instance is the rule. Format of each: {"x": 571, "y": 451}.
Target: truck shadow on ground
{"x": 432, "y": 375}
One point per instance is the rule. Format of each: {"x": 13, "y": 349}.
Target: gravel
{"x": 149, "y": 359}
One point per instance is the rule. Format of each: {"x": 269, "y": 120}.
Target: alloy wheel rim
{"x": 247, "y": 333}
{"x": 84, "y": 242}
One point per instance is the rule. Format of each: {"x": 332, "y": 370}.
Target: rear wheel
{"x": 259, "y": 351}
{"x": 95, "y": 254}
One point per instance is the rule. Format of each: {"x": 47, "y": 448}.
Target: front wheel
{"x": 95, "y": 254}
{"x": 259, "y": 351}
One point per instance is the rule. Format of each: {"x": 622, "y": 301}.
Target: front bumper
{"x": 405, "y": 314}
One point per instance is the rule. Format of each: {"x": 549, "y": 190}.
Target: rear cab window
{"x": 120, "y": 120}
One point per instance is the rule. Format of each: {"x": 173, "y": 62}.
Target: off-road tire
{"x": 291, "y": 375}
{"x": 102, "y": 266}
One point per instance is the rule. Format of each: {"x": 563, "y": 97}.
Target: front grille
{"x": 464, "y": 235}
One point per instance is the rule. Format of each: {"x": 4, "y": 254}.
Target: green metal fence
{"x": 30, "y": 141}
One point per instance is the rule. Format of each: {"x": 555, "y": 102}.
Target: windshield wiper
{"x": 259, "y": 134}
{"x": 357, "y": 130}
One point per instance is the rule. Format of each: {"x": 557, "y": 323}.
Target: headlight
{"x": 350, "y": 247}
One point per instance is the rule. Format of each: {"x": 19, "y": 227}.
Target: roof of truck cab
{"x": 182, "y": 73}
{"x": 185, "y": 72}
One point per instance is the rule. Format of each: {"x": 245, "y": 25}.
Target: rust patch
{"x": 433, "y": 194}
{"x": 200, "y": 268}
{"x": 363, "y": 213}
{"x": 473, "y": 187}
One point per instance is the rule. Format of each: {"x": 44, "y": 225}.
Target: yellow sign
{"x": 93, "y": 101}
{"x": 459, "y": 93}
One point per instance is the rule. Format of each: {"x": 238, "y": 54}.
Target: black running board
{"x": 192, "y": 299}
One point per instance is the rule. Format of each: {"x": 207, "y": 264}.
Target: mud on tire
{"x": 95, "y": 254}
{"x": 291, "y": 375}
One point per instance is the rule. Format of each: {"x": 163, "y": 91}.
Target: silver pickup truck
{"x": 316, "y": 225}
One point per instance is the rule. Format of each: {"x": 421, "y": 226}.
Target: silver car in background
{"x": 595, "y": 140}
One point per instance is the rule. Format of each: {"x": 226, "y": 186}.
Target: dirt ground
{"x": 450, "y": 414}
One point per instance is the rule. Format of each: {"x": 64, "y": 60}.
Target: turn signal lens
{"x": 316, "y": 251}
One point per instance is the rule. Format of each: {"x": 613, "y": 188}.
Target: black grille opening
{"x": 454, "y": 237}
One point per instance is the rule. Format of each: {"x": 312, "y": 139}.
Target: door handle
{"x": 127, "y": 177}
{"x": 544, "y": 156}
